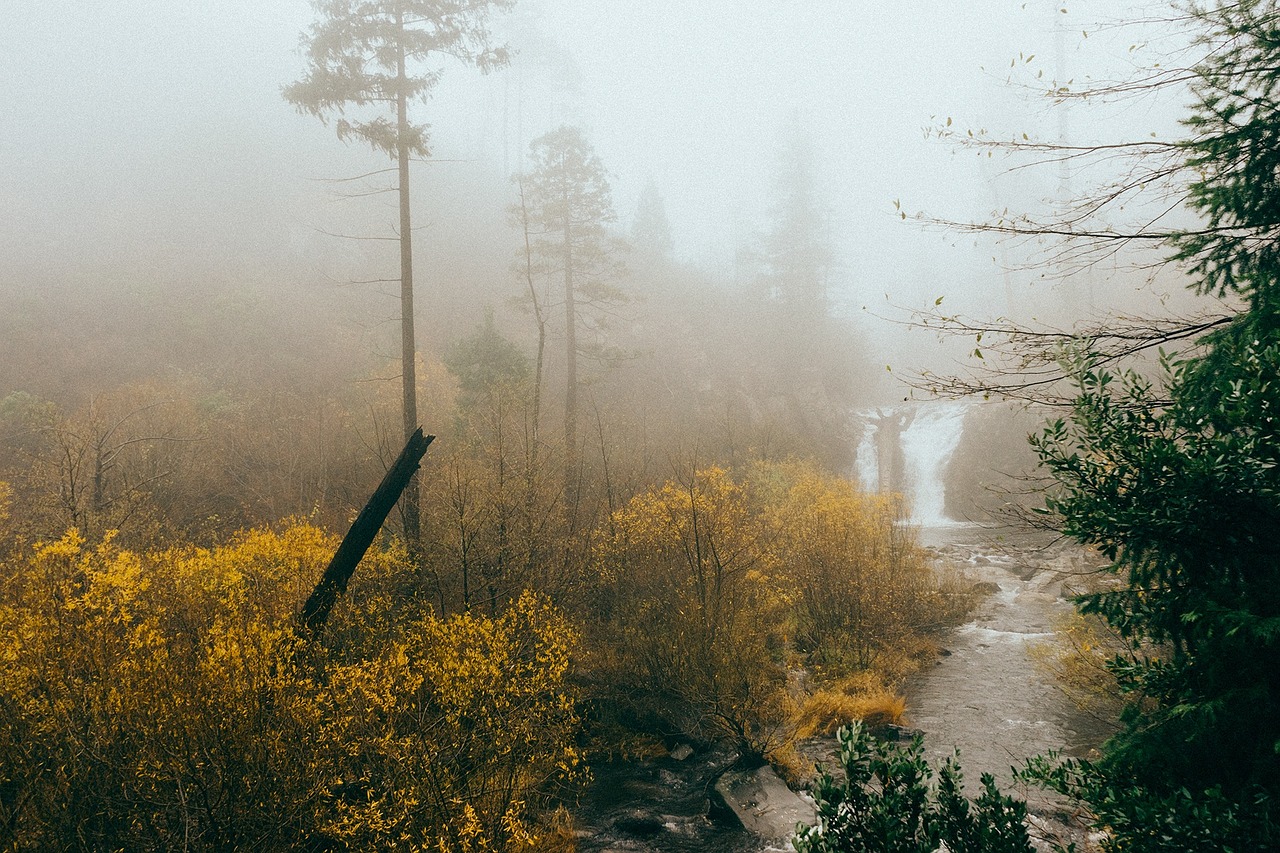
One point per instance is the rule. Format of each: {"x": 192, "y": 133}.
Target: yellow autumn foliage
{"x": 825, "y": 711}
{"x": 712, "y": 590}
{"x": 861, "y": 586}
{"x": 689, "y": 616}
{"x": 163, "y": 701}
{"x": 462, "y": 721}
{"x": 1077, "y": 658}
{"x": 6, "y": 498}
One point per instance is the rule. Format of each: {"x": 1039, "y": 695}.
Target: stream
{"x": 985, "y": 696}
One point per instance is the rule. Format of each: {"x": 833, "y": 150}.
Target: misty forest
{"x": 552, "y": 425}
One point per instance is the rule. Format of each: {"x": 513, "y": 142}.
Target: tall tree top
{"x": 796, "y": 249}
{"x": 567, "y": 181}
{"x": 369, "y": 53}
{"x": 651, "y": 230}
{"x": 1233, "y": 153}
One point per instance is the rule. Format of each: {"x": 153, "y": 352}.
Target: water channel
{"x": 985, "y": 696}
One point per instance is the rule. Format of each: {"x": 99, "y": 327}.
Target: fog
{"x": 146, "y": 150}
{"x": 690, "y": 503}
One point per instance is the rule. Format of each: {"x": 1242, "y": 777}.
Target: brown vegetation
{"x": 697, "y": 578}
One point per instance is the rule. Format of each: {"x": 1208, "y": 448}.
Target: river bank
{"x": 984, "y": 695}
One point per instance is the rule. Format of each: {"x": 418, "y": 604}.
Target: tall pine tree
{"x": 568, "y": 205}
{"x": 367, "y": 61}
{"x": 1178, "y": 482}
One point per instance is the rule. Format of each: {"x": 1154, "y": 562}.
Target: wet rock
{"x": 659, "y": 804}
{"x": 900, "y": 734}
{"x": 638, "y": 824}
{"x": 763, "y": 803}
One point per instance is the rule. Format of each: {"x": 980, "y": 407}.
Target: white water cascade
{"x": 927, "y": 445}
{"x": 868, "y": 457}
{"x": 906, "y": 449}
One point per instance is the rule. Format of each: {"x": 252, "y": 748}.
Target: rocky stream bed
{"x": 984, "y": 695}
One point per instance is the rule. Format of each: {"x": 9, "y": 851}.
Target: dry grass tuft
{"x": 557, "y": 836}
{"x": 828, "y": 710}
{"x": 792, "y": 767}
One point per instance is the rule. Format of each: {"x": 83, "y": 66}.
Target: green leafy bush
{"x": 1137, "y": 818}
{"x": 888, "y": 804}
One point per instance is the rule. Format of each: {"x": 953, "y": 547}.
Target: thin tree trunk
{"x": 408, "y": 344}
{"x": 571, "y": 379}
{"x": 534, "y": 434}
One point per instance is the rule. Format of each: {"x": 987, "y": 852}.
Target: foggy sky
{"x": 132, "y": 125}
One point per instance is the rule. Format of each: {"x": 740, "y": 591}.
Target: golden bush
{"x": 690, "y": 618}
{"x": 157, "y": 701}
{"x": 861, "y": 586}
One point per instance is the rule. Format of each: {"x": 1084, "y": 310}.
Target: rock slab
{"x": 764, "y": 804}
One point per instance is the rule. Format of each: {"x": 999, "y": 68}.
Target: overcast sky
{"x": 128, "y": 120}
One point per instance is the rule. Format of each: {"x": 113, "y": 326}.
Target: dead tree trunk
{"x": 363, "y": 530}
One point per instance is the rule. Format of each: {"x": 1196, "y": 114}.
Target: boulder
{"x": 764, "y": 804}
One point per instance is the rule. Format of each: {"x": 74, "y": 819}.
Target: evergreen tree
{"x": 368, "y": 57}
{"x": 650, "y": 230}
{"x": 568, "y": 205}
{"x": 1178, "y": 482}
{"x": 808, "y": 362}
{"x": 795, "y": 253}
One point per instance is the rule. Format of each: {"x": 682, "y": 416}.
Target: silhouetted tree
{"x": 650, "y": 230}
{"x": 806, "y": 360}
{"x": 795, "y": 253}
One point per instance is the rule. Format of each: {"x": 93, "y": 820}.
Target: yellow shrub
{"x": 690, "y": 617}
{"x": 447, "y": 737}
{"x": 159, "y": 701}
{"x": 861, "y": 588}
{"x": 1077, "y": 657}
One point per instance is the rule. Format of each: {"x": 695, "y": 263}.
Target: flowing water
{"x": 906, "y": 449}
{"x": 986, "y": 696}
{"x": 927, "y": 444}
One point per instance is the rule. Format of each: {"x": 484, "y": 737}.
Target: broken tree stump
{"x": 361, "y": 535}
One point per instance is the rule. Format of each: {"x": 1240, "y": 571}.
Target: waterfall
{"x": 868, "y": 458}
{"x": 906, "y": 449}
{"x": 927, "y": 445}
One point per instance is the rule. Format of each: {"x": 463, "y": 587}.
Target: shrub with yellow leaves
{"x": 711, "y": 589}
{"x": 861, "y": 586}
{"x": 164, "y": 701}
{"x": 689, "y": 621}
{"x": 449, "y": 737}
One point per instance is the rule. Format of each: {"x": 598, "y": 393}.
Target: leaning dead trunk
{"x": 363, "y": 530}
